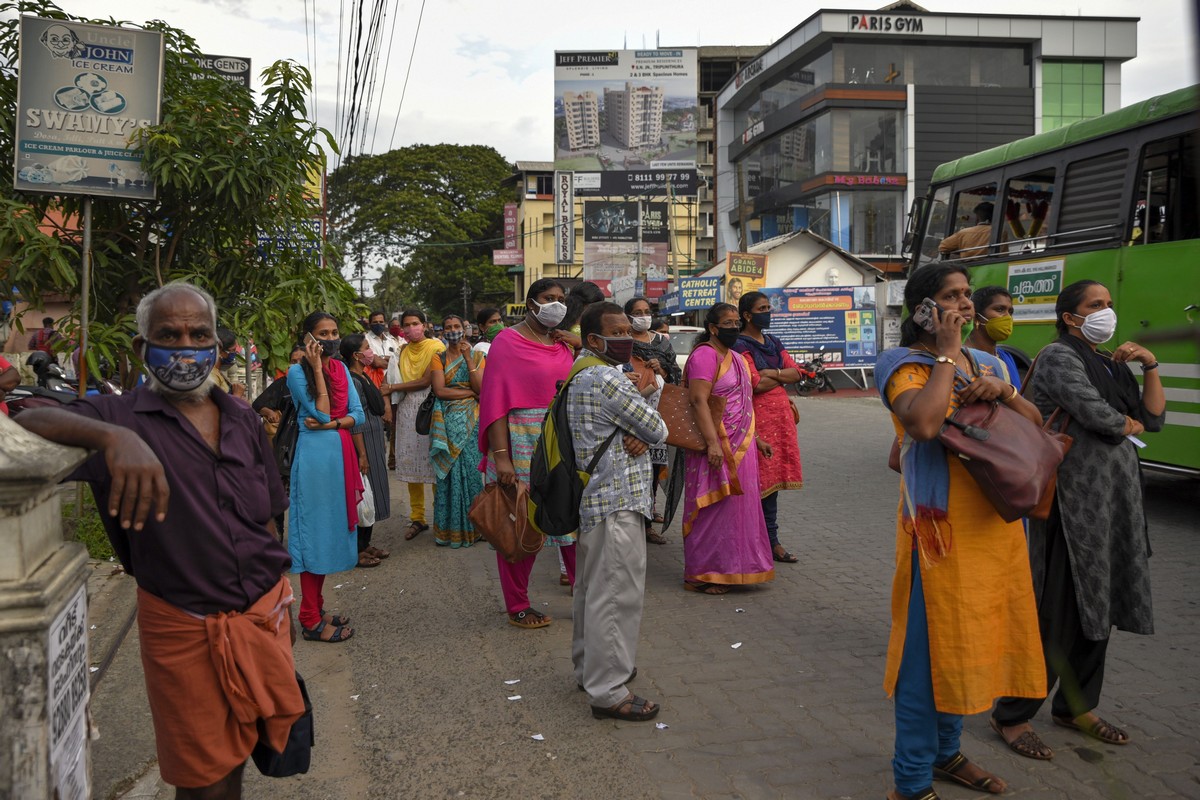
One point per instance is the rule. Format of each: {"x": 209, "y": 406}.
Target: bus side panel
{"x": 1158, "y": 281}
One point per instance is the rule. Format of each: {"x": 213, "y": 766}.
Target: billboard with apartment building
{"x": 625, "y": 120}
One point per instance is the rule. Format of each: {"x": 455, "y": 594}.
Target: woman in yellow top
{"x": 964, "y": 621}
{"x": 412, "y": 449}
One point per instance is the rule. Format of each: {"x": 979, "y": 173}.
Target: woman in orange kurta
{"x": 964, "y": 621}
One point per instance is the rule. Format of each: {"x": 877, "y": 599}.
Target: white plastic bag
{"x": 366, "y": 506}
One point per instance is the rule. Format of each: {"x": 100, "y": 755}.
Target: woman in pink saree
{"x": 725, "y": 540}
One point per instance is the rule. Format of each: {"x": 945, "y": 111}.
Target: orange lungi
{"x": 210, "y": 679}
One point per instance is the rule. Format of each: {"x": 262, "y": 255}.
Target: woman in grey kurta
{"x": 1090, "y": 558}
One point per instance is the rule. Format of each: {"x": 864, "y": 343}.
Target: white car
{"x": 683, "y": 339}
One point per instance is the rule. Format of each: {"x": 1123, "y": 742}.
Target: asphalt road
{"x": 416, "y": 705}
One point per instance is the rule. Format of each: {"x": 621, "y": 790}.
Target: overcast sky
{"x": 483, "y": 72}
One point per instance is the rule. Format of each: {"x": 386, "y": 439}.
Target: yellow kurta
{"x": 983, "y": 627}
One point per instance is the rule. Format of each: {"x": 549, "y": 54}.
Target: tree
{"x": 435, "y": 211}
{"x": 231, "y": 212}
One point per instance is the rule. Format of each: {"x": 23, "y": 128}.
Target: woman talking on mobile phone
{"x": 964, "y": 621}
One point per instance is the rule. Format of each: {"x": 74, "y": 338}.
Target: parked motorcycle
{"x": 813, "y": 376}
{"x": 52, "y": 387}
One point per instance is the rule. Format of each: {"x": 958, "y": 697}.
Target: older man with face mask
{"x": 188, "y": 489}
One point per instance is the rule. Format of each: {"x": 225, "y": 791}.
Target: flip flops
{"x": 340, "y": 633}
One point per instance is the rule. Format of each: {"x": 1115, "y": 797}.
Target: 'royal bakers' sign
{"x": 879, "y": 23}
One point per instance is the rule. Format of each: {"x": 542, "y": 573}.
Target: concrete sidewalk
{"x": 416, "y": 705}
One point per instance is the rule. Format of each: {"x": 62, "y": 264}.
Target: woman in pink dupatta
{"x": 725, "y": 540}
{"x": 524, "y": 367}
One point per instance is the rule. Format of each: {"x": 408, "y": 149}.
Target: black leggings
{"x": 364, "y": 537}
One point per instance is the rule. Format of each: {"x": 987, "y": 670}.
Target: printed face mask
{"x": 453, "y": 337}
{"x": 330, "y": 347}
{"x": 728, "y": 336}
{"x": 618, "y": 349}
{"x": 229, "y": 359}
{"x": 1099, "y": 326}
{"x": 998, "y": 328}
{"x": 180, "y": 369}
{"x": 640, "y": 324}
{"x": 549, "y": 314}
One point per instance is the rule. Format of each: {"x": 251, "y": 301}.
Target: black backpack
{"x": 556, "y": 483}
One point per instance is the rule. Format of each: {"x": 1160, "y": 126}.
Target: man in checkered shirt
{"x": 610, "y": 573}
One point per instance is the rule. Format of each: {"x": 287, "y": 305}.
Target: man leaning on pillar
{"x": 188, "y": 489}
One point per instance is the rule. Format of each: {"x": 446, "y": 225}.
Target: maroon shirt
{"x": 213, "y": 552}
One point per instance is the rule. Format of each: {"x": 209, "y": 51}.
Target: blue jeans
{"x": 924, "y": 736}
{"x": 770, "y": 507}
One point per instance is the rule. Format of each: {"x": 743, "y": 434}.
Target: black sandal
{"x": 340, "y": 633}
{"x": 414, "y": 530}
{"x": 637, "y": 710}
{"x": 924, "y": 794}
{"x": 783, "y": 558}
{"x": 949, "y": 772}
{"x": 529, "y": 618}
{"x": 336, "y": 620}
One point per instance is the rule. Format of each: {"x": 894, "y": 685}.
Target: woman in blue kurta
{"x": 326, "y": 484}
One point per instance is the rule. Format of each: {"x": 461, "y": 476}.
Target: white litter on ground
{"x": 355, "y": 696}
{"x": 512, "y": 682}
{"x": 662, "y": 726}
{"x": 537, "y": 737}
{"x": 736, "y": 645}
{"x": 515, "y": 697}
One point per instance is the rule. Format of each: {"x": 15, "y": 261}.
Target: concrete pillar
{"x": 44, "y": 747}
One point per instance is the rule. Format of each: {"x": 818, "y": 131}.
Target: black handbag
{"x": 286, "y": 437}
{"x": 297, "y": 753}
{"x": 425, "y": 414}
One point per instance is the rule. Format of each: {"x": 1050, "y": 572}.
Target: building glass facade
{"x": 1071, "y": 91}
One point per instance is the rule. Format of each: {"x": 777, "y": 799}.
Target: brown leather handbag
{"x": 646, "y": 381}
{"x": 676, "y": 410}
{"x": 1011, "y": 459}
{"x": 501, "y": 515}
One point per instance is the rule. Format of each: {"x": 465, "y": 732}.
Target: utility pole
{"x": 466, "y": 293}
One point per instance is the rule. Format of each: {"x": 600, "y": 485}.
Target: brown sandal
{"x": 1028, "y": 744}
{"x": 377, "y": 553}
{"x": 950, "y": 770}
{"x": 653, "y": 537}
{"x": 925, "y": 794}
{"x": 414, "y": 530}
{"x": 529, "y": 619}
{"x": 365, "y": 560}
{"x": 1100, "y": 729}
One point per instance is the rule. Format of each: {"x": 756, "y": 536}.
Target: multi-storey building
{"x": 839, "y": 125}
{"x": 582, "y": 113}
{"x": 634, "y": 115}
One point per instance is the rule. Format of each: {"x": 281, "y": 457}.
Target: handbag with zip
{"x": 1011, "y": 459}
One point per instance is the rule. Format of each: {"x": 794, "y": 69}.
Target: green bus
{"x": 1114, "y": 199}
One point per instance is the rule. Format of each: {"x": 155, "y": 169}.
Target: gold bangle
{"x": 501, "y": 450}
{"x": 1012, "y": 396}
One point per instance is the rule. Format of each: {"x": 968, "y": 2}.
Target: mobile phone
{"x": 924, "y": 315}
{"x": 309, "y": 338}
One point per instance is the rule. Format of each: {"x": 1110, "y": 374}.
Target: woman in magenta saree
{"x": 725, "y": 539}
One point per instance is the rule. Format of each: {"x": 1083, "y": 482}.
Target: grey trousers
{"x": 610, "y": 585}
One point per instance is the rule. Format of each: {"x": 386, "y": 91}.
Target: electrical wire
{"x": 387, "y": 65}
{"x": 407, "y": 72}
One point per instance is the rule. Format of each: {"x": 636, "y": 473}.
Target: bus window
{"x": 935, "y": 228}
{"x": 1089, "y": 211}
{"x": 1026, "y": 208}
{"x": 973, "y": 214}
{"x": 1167, "y": 180}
